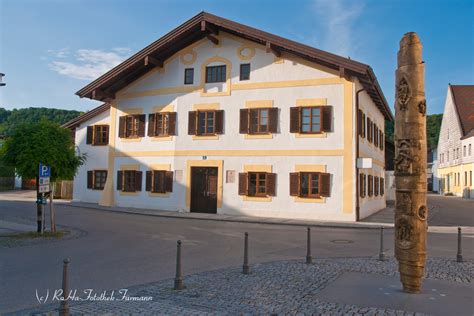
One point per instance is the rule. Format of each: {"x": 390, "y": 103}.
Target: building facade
{"x": 456, "y": 139}
{"x": 218, "y": 117}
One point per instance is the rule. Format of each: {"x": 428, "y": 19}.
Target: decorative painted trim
{"x": 163, "y": 108}
{"x": 206, "y": 106}
{"x": 131, "y": 111}
{"x": 157, "y": 166}
{"x": 257, "y": 168}
{"x": 311, "y": 102}
{"x": 204, "y": 163}
{"x": 216, "y": 59}
{"x": 135, "y": 167}
{"x": 310, "y": 168}
{"x": 186, "y": 61}
{"x": 129, "y": 193}
{"x": 131, "y": 140}
{"x": 278, "y": 60}
{"x": 161, "y": 139}
{"x": 211, "y": 137}
{"x": 252, "y": 104}
{"x": 258, "y": 136}
{"x": 231, "y": 153}
{"x": 245, "y": 57}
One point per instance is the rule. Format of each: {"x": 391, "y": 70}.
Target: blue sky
{"x": 49, "y": 49}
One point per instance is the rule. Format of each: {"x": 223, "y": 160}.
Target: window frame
{"x": 212, "y": 74}
{"x": 258, "y": 174}
{"x": 155, "y": 173}
{"x": 258, "y": 131}
{"x": 186, "y": 70}
{"x": 311, "y": 119}
{"x": 94, "y": 179}
{"x": 241, "y": 77}
{"x": 310, "y": 185}
{"x": 135, "y": 122}
{"x": 99, "y": 130}
{"x": 165, "y": 127}
{"x": 206, "y": 113}
{"x": 132, "y": 174}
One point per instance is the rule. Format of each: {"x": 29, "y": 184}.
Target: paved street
{"x": 121, "y": 250}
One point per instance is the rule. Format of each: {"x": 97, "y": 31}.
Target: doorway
{"x": 204, "y": 189}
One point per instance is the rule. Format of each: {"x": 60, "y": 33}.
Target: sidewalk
{"x": 7, "y": 227}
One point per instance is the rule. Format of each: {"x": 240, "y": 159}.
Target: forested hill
{"x": 433, "y": 126}
{"x": 10, "y": 119}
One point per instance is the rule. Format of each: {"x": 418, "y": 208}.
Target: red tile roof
{"x": 463, "y": 97}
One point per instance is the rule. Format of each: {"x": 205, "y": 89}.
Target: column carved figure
{"x": 410, "y": 164}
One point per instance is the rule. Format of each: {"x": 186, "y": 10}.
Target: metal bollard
{"x": 382, "y": 253}
{"x": 309, "y": 259}
{"x": 178, "y": 280}
{"x": 64, "y": 305}
{"x": 459, "y": 255}
{"x": 246, "y": 267}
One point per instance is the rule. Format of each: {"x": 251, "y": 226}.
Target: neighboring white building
{"x": 432, "y": 171}
{"x": 219, "y": 117}
{"x": 456, "y": 139}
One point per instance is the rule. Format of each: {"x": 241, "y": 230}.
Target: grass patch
{"x": 33, "y": 235}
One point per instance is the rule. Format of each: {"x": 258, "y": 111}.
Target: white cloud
{"x": 338, "y": 17}
{"x": 88, "y": 64}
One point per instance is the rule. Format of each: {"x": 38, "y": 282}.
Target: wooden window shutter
{"x": 148, "y": 179}
{"x": 151, "y": 124}
{"x": 172, "y": 123}
{"x": 243, "y": 183}
{"x": 382, "y": 140}
{"x": 90, "y": 179}
{"x": 326, "y": 117}
{"x": 271, "y": 184}
{"x": 361, "y": 185}
{"x": 122, "y": 120}
{"x": 141, "y": 125}
{"x": 363, "y": 125}
{"x": 168, "y": 181}
{"x": 138, "y": 180}
{"x": 325, "y": 184}
{"x": 119, "y": 180}
{"x": 294, "y": 120}
{"x": 244, "y": 121}
{"x": 90, "y": 134}
{"x": 273, "y": 120}
{"x": 192, "y": 122}
{"x": 382, "y": 186}
{"x": 359, "y": 122}
{"x": 294, "y": 184}
{"x": 369, "y": 130}
{"x": 219, "y": 121}
{"x": 107, "y": 131}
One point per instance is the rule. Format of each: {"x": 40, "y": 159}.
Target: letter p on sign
{"x": 44, "y": 170}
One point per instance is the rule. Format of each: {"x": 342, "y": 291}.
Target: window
{"x": 376, "y": 186}
{"x": 129, "y": 180}
{"x": 382, "y": 186}
{"x": 259, "y": 121}
{"x": 205, "y": 123}
{"x": 159, "y": 181}
{"x": 464, "y": 151}
{"x": 370, "y": 186}
{"x": 189, "y": 76}
{"x": 310, "y": 120}
{"x": 96, "y": 179}
{"x": 97, "y": 135}
{"x": 258, "y": 184}
{"x": 162, "y": 124}
{"x": 215, "y": 74}
{"x": 469, "y": 149}
{"x": 362, "y": 185}
{"x": 132, "y": 126}
{"x": 310, "y": 184}
{"x": 244, "y": 71}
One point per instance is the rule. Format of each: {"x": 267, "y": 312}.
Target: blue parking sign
{"x": 44, "y": 170}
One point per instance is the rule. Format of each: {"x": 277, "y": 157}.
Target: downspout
{"x": 357, "y": 154}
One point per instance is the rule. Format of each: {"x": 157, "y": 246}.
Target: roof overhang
{"x": 207, "y": 25}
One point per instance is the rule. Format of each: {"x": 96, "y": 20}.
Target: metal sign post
{"x": 42, "y": 185}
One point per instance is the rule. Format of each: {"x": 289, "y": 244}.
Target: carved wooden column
{"x": 410, "y": 164}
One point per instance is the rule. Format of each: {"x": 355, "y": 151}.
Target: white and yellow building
{"x": 456, "y": 142}
{"x": 219, "y": 117}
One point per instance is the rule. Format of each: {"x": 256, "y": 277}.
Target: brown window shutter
{"x": 361, "y": 185}
{"x": 151, "y": 124}
{"x": 271, "y": 184}
{"x": 122, "y": 126}
{"x": 273, "y": 120}
{"x": 148, "y": 179}
{"x": 168, "y": 181}
{"x": 172, "y": 123}
{"x": 294, "y": 184}
{"x": 243, "y": 183}
{"x": 138, "y": 180}
{"x": 363, "y": 125}
{"x": 327, "y": 118}
{"x": 192, "y": 122}
{"x": 244, "y": 121}
{"x": 90, "y": 179}
{"x": 325, "y": 184}
{"x": 107, "y": 131}
{"x": 119, "y": 180}
{"x": 219, "y": 121}
{"x": 359, "y": 122}
{"x": 90, "y": 134}
{"x": 294, "y": 120}
{"x": 382, "y": 140}
{"x": 382, "y": 186}
{"x": 141, "y": 125}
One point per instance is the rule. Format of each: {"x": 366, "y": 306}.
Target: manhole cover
{"x": 342, "y": 241}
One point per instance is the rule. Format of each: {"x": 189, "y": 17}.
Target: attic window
{"x": 215, "y": 74}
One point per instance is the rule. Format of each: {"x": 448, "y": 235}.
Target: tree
{"x": 44, "y": 142}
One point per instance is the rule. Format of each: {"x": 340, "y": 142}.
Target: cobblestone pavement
{"x": 283, "y": 287}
